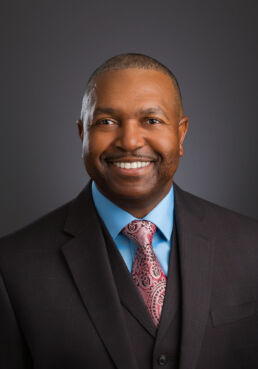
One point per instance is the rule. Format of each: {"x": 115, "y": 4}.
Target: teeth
{"x": 134, "y": 165}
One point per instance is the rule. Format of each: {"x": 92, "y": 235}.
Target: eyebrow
{"x": 152, "y": 110}
{"x": 148, "y": 111}
{"x": 103, "y": 110}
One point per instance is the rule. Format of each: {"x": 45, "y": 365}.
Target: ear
{"x": 80, "y": 129}
{"x": 182, "y": 129}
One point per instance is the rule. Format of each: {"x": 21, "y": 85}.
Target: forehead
{"x": 132, "y": 88}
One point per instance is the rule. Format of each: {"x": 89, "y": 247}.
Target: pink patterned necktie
{"x": 146, "y": 271}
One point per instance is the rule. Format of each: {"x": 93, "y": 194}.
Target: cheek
{"x": 92, "y": 145}
{"x": 96, "y": 144}
{"x": 167, "y": 146}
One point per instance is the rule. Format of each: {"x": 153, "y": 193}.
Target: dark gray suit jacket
{"x": 60, "y": 306}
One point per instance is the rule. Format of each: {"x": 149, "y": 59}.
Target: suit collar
{"x": 186, "y": 205}
{"x": 80, "y": 209}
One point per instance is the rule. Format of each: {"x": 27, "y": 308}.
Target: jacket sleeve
{"x": 14, "y": 353}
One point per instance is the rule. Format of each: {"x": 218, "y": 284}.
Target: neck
{"x": 138, "y": 207}
{"x": 137, "y": 210}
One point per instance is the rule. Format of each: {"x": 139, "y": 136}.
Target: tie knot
{"x": 140, "y": 231}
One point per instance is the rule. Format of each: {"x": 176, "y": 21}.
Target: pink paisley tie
{"x": 146, "y": 271}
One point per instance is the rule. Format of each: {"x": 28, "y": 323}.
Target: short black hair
{"x": 127, "y": 61}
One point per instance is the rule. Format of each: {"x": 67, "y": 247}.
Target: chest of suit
{"x": 62, "y": 294}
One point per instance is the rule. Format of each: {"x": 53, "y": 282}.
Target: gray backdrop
{"x": 49, "y": 48}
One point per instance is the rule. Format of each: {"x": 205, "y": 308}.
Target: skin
{"x": 134, "y": 117}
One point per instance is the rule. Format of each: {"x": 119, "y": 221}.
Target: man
{"x": 135, "y": 272}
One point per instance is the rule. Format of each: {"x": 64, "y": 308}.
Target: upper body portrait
{"x": 134, "y": 273}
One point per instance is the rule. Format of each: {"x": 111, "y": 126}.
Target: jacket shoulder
{"x": 41, "y": 231}
{"x": 216, "y": 216}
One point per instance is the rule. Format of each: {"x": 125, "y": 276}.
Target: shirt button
{"x": 162, "y": 360}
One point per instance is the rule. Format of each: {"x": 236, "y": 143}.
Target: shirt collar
{"x": 115, "y": 218}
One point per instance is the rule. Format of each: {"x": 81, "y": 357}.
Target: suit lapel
{"x": 196, "y": 252}
{"x": 87, "y": 258}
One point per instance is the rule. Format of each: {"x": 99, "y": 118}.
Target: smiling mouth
{"x": 131, "y": 165}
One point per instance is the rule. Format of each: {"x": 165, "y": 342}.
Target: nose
{"x": 130, "y": 136}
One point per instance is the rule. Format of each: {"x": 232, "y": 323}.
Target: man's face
{"x": 135, "y": 134}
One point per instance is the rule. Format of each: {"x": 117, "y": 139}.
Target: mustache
{"x": 137, "y": 155}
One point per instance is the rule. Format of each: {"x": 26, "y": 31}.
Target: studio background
{"x": 49, "y": 49}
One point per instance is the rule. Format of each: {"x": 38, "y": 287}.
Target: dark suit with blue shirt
{"x": 67, "y": 299}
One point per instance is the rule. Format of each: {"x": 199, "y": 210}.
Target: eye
{"x": 152, "y": 121}
{"x": 106, "y": 122}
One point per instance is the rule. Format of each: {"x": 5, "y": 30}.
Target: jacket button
{"x": 162, "y": 360}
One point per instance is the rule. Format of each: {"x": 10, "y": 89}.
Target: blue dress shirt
{"x": 115, "y": 219}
